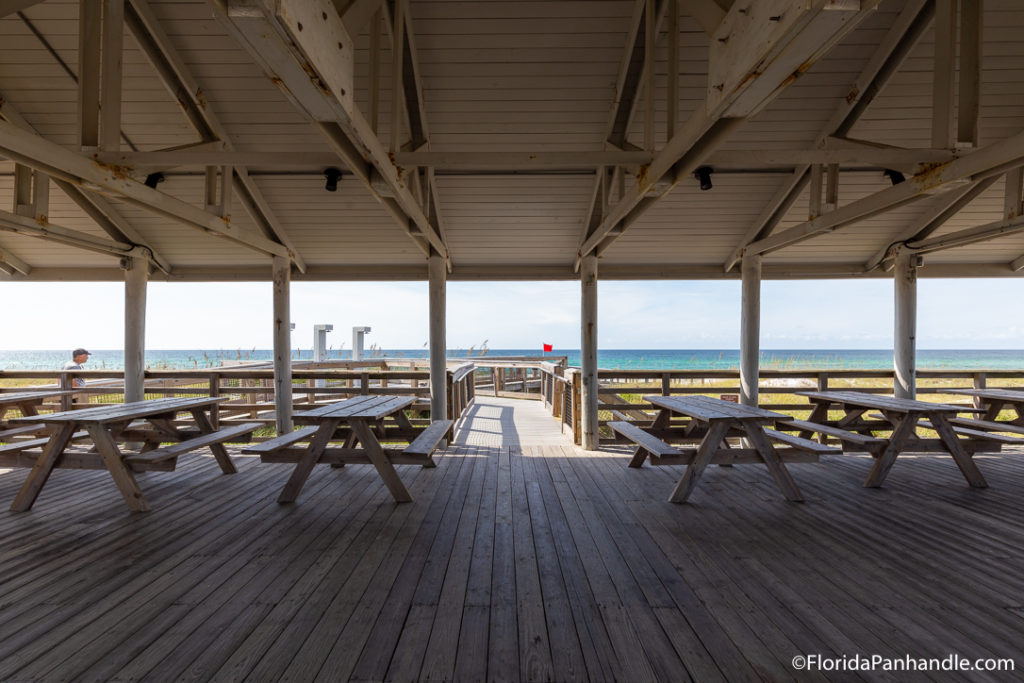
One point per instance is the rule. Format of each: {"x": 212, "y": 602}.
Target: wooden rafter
{"x": 905, "y": 32}
{"x": 58, "y": 162}
{"x": 8, "y": 7}
{"x": 314, "y": 67}
{"x": 985, "y": 162}
{"x": 744, "y": 75}
{"x": 947, "y": 205}
{"x": 96, "y": 207}
{"x": 178, "y": 80}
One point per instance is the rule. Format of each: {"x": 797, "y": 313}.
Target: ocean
{"x": 616, "y": 359}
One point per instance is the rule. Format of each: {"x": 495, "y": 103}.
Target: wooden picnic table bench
{"x": 150, "y": 423}
{"x": 711, "y": 422}
{"x": 359, "y": 422}
{"x": 26, "y": 402}
{"x": 900, "y": 417}
{"x": 992, "y": 402}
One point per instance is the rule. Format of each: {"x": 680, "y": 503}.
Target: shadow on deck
{"x": 517, "y": 561}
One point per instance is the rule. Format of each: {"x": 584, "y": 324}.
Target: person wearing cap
{"x": 78, "y": 356}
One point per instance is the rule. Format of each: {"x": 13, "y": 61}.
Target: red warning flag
{"x": 548, "y": 347}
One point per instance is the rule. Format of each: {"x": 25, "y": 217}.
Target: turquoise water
{"x": 634, "y": 359}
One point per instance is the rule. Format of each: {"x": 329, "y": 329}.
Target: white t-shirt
{"x": 72, "y": 365}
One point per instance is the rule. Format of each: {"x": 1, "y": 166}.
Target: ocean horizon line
{"x": 608, "y": 358}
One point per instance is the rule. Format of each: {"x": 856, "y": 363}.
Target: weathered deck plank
{"x": 522, "y": 558}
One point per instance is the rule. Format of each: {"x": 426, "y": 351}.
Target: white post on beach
{"x": 136, "y": 277}
{"x": 438, "y": 343}
{"x": 750, "y": 329}
{"x": 282, "y": 274}
{"x": 357, "y": 341}
{"x": 905, "y": 338}
{"x": 320, "y": 348}
{"x": 588, "y": 352}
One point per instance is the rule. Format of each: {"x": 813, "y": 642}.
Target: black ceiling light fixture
{"x": 703, "y": 175}
{"x": 895, "y": 177}
{"x": 333, "y": 175}
{"x": 154, "y": 179}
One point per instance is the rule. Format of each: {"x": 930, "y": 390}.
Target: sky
{"x": 821, "y": 314}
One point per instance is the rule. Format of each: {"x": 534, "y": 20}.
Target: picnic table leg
{"x": 706, "y": 451}
{"x": 350, "y": 442}
{"x": 900, "y": 433}
{"x": 310, "y": 458}
{"x": 774, "y": 463}
{"x": 819, "y": 414}
{"x": 640, "y": 454}
{"x": 218, "y": 450}
{"x": 952, "y": 442}
{"x": 123, "y": 477}
{"x": 380, "y": 461}
{"x": 43, "y": 467}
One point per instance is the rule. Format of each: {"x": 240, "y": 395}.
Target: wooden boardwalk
{"x": 515, "y": 562}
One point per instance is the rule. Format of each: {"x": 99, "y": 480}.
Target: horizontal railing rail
{"x": 620, "y": 392}
{"x": 249, "y": 392}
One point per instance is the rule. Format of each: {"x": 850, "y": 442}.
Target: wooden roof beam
{"x": 8, "y": 7}
{"x": 908, "y": 28}
{"x": 314, "y": 68}
{"x": 978, "y": 165}
{"x": 948, "y": 205}
{"x": 968, "y": 236}
{"x": 754, "y": 55}
{"x": 58, "y": 162}
{"x": 24, "y": 225}
{"x": 16, "y": 264}
{"x": 176, "y": 77}
{"x": 96, "y": 207}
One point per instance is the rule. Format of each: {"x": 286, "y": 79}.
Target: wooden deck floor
{"x": 515, "y": 562}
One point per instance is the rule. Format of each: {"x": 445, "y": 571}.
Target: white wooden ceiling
{"x": 501, "y": 77}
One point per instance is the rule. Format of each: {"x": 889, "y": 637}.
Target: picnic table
{"x": 360, "y": 422}
{"x": 993, "y": 402}
{"x": 27, "y": 402}
{"x": 711, "y": 422}
{"x": 901, "y": 418}
{"x": 149, "y": 423}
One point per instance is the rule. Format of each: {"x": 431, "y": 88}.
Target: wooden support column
{"x": 438, "y": 342}
{"x": 905, "y": 338}
{"x": 282, "y": 344}
{"x": 136, "y": 277}
{"x": 588, "y": 352}
{"x": 750, "y": 329}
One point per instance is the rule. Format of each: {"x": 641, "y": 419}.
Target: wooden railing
{"x": 620, "y": 391}
{"x": 250, "y": 391}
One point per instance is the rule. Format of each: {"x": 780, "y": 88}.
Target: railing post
{"x": 577, "y": 402}
{"x": 66, "y": 383}
{"x": 666, "y": 384}
{"x": 215, "y": 408}
{"x": 980, "y": 381}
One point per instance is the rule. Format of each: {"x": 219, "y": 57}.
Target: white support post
{"x": 750, "y": 329}
{"x": 588, "y": 352}
{"x": 817, "y": 175}
{"x": 969, "y": 101}
{"x": 650, "y": 35}
{"x": 136, "y": 277}
{"x": 905, "y": 338}
{"x": 438, "y": 275}
{"x": 282, "y": 344}
{"x": 90, "y": 40}
{"x": 397, "y": 61}
{"x": 944, "y": 74}
{"x": 110, "y": 78}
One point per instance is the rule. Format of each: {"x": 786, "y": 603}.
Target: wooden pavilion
{"x": 435, "y": 140}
